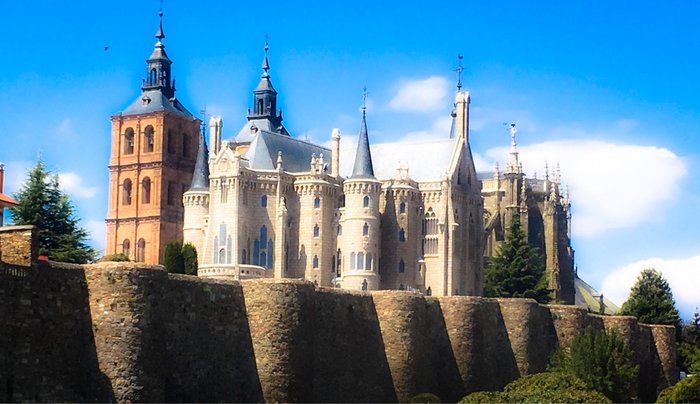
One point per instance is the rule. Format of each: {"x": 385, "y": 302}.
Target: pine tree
{"x": 517, "y": 269}
{"x": 41, "y": 203}
{"x": 173, "y": 260}
{"x": 189, "y": 255}
{"x": 651, "y": 300}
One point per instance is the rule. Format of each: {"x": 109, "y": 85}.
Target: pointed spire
{"x": 363, "y": 159}
{"x": 160, "y": 35}
{"x": 266, "y": 62}
{"x": 200, "y": 177}
{"x": 158, "y": 65}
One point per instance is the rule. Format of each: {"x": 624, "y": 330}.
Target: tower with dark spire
{"x": 265, "y": 97}
{"x": 363, "y": 158}
{"x": 154, "y": 151}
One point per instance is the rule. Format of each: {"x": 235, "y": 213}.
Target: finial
{"x": 279, "y": 160}
{"x": 160, "y": 35}
{"x": 513, "y": 131}
{"x": 459, "y": 69}
{"x": 364, "y": 100}
{"x": 266, "y": 63}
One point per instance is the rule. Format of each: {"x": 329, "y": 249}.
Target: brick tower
{"x": 154, "y": 149}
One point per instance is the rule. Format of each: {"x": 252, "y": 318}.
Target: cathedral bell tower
{"x": 265, "y": 99}
{"x": 154, "y": 149}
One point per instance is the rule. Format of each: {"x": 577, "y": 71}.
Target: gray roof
{"x": 158, "y": 102}
{"x": 200, "y": 177}
{"x": 245, "y": 136}
{"x": 363, "y": 158}
{"x": 296, "y": 154}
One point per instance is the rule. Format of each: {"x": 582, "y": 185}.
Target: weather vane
{"x": 459, "y": 69}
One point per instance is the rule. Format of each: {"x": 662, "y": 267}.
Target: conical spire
{"x": 363, "y": 159}
{"x": 158, "y": 66}
{"x": 266, "y": 63}
{"x": 160, "y": 35}
{"x": 200, "y": 177}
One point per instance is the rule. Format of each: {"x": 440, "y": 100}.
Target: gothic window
{"x": 185, "y": 145}
{"x": 365, "y": 202}
{"x": 402, "y": 266}
{"x": 228, "y": 250}
{"x": 316, "y": 230}
{"x": 360, "y": 260}
{"x": 263, "y": 237}
{"x": 222, "y": 231}
{"x": 244, "y": 256}
{"x": 152, "y": 78}
{"x": 171, "y": 142}
{"x": 402, "y": 207}
{"x": 263, "y": 201}
{"x": 270, "y": 256}
{"x": 141, "y": 250}
{"x": 148, "y": 137}
{"x": 129, "y": 141}
{"x": 263, "y": 258}
{"x": 365, "y": 230}
{"x": 430, "y": 233}
{"x": 314, "y": 262}
{"x": 126, "y": 197}
{"x": 256, "y": 252}
{"x": 368, "y": 263}
{"x": 317, "y": 203}
{"x": 260, "y": 107}
{"x": 216, "y": 246}
{"x": 352, "y": 260}
{"x": 224, "y": 191}
{"x": 222, "y": 256}
{"x": 402, "y": 235}
{"x": 340, "y": 230}
{"x": 126, "y": 247}
{"x": 146, "y": 190}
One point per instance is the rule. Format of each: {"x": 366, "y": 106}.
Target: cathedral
{"x": 262, "y": 203}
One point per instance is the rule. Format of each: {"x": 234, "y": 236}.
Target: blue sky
{"x": 607, "y": 89}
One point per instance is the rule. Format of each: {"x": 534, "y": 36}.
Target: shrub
{"x": 173, "y": 260}
{"x": 602, "y": 360}
{"x": 189, "y": 255}
{"x": 483, "y": 397}
{"x": 685, "y": 391}
{"x": 119, "y": 257}
{"x": 551, "y": 387}
{"x": 425, "y": 398}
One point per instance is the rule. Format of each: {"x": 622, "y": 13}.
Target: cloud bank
{"x": 424, "y": 95}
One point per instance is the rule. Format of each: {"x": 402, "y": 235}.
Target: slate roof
{"x": 296, "y": 154}
{"x": 363, "y": 157}
{"x": 158, "y": 102}
{"x": 589, "y": 298}
{"x": 245, "y": 136}
{"x": 200, "y": 177}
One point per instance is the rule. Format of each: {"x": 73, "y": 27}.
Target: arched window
{"x": 148, "y": 137}
{"x": 402, "y": 235}
{"x": 263, "y": 237}
{"x": 222, "y": 232}
{"x": 224, "y": 190}
{"x": 222, "y": 256}
{"x": 360, "y": 260}
{"x": 146, "y": 190}
{"x": 270, "y": 255}
{"x": 365, "y": 202}
{"x": 352, "y": 260}
{"x": 152, "y": 80}
{"x": 256, "y": 252}
{"x": 340, "y": 230}
{"x": 263, "y": 258}
{"x": 368, "y": 263}
{"x": 402, "y": 207}
{"x": 129, "y": 141}
{"x": 126, "y": 197}
{"x": 314, "y": 262}
{"x": 244, "y": 256}
{"x": 365, "y": 230}
{"x": 260, "y": 106}
{"x": 185, "y": 145}
{"x": 402, "y": 266}
{"x": 141, "y": 250}
{"x": 339, "y": 262}
{"x": 316, "y": 230}
{"x": 126, "y": 247}
{"x": 317, "y": 203}
{"x": 263, "y": 201}
{"x": 430, "y": 233}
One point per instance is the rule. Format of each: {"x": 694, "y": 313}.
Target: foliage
{"x": 689, "y": 348}
{"x": 685, "y": 391}
{"x": 173, "y": 260}
{"x": 118, "y": 257}
{"x": 651, "y": 300}
{"x": 551, "y": 387}
{"x": 189, "y": 256}
{"x": 517, "y": 269}
{"x": 483, "y": 397}
{"x": 425, "y": 398}
{"x": 602, "y": 361}
{"x": 41, "y": 203}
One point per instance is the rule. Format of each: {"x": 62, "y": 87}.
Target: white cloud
{"x": 421, "y": 95}
{"x": 72, "y": 184}
{"x": 98, "y": 233}
{"x": 683, "y": 275}
{"x": 440, "y": 129}
{"x": 613, "y": 186}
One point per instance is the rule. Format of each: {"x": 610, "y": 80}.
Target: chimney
{"x": 335, "y": 153}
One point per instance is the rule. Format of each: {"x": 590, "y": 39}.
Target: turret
{"x": 216, "y": 124}
{"x": 196, "y": 200}
{"x": 265, "y": 99}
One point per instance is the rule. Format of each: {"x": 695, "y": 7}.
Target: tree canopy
{"x": 651, "y": 300}
{"x": 41, "y": 203}
{"x": 517, "y": 269}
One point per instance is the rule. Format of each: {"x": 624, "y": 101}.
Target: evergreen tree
{"x": 41, "y": 203}
{"x": 689, "y": 348}
{"x": 189, "y": 255}
{"x": 651, "y": 300}
{"x": 517, "y": 269}
{"x": 173, "y": 260}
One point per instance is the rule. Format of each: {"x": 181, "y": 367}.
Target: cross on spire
{"x": 459, "y": 69}
{"x": 364, "y": 100}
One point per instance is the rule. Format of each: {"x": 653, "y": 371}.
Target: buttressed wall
{"x": 130, "y": 332}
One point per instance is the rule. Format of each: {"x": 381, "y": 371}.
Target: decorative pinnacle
{"x": 160, "y": 35}
{"x": 364, "y": 100}
{"x": 266, "y": 63}
{"x": 459, "y": 69}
